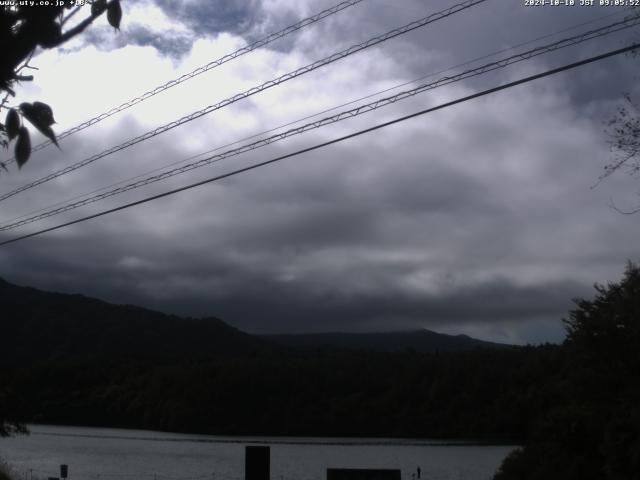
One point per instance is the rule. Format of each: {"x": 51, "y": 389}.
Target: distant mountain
{"x": 43, "y": 326}
{"x": 74, "y": 360}
{"x": 425, "y": 341}
{"x": 39, "y": 326}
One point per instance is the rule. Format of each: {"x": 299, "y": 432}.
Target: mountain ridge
{"x": 423, "y": 341}
{"x": 74, "y": 360}
{"x": 41, "y": 326}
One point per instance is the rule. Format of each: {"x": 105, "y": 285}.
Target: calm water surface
{"x": 112, "y": 454}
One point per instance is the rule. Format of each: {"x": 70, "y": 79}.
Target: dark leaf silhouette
{"x": 50, "y": 34}
{"x": 22, "y": 30}
{"x": 13, "y": 124}
{"x": 98, "y": 7}
{"x": 23, "y": 147}
{"x": 41, "y": 117}
{"x": 44, "y": 112}
{"x": 114, "y": 14}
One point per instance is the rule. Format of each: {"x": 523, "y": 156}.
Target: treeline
{"x": 484, "y": 394}
{"x": 575, "y": 407}
{"x": 41, "y": 327}
{"x": 593, "y": 431}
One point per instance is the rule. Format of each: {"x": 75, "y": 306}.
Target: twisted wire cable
{"x": 202, "y": 69}
{"x": 317, "y": 114}
{"x": 499, "y": 64}
{"x": 334, "y": 141}
{"x": 252, "y": 91}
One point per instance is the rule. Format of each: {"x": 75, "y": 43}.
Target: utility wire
{"x": 252, "y": 91}
{"x": 499, "y": 64}
{"x": 202, "y": 69}
{"x": 334, "y": 141}
{"x": 308, "y": 117}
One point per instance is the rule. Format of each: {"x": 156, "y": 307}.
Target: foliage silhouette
{"x": 594, "y": 433}
{"x": 23, "y": 29}
{"x": 574, "y": 407}
{"x": 72, "y": 359}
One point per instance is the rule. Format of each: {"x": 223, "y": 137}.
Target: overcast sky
{"x": 478, "y": 219}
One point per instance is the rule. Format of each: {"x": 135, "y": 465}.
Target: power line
{"x": 334, "y": 141}
{"x": 563, "y": 43}
{"x": 202, "y": 69}
{"x": 293, "y": 122}
{"x": 252, "y": 91}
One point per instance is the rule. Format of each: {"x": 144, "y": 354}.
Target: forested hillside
{"x": 76, "y": 360}
{"x": 43, "y": 326}
{"x": 420, "y": 341}
{"x": 573, "y": 406}
{"x": 483, "y": 394}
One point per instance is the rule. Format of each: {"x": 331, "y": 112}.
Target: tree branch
{"x": 69, "y": 34}
{"x": 68, "y": 17}
{"x": 4, "y": 101}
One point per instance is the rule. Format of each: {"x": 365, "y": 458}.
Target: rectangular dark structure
{"x": 362, "y": 474}
{"x": 257, "y": 463}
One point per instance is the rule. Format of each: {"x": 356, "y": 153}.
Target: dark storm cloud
{"x": 475, "y": 219}
{"x": 275, "y": 307}
{"x": 174, "y": 44}
{"x": 171, "y": 44}
{"x": 248, "y": 295}
{"x": 384, "y": 237}
{"x": 496, "y": 25}
{"x": 211, "y": 17}
{"x": 316, "y": 252}
{"x": 193, "y": 19}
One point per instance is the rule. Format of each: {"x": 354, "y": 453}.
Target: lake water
{"x": 113, "y": 454}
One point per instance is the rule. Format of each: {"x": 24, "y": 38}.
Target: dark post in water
{"x": 257, "y": 464}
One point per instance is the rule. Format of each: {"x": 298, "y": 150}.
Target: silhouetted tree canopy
{"x": 624, "y": 133}
{"x": 594, "y": 433}
{"x": 574, "y": 407}
{"x": 624, "y": 138}
{"x": 23, "y": 29}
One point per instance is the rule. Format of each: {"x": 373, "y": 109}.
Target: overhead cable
{"x": 564, "y": 43}
{"x": 317, "y": 114}
{"x": 252, "y": 91}
{"x": 330, "y": 142}
{"x": 272, "y": 37}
